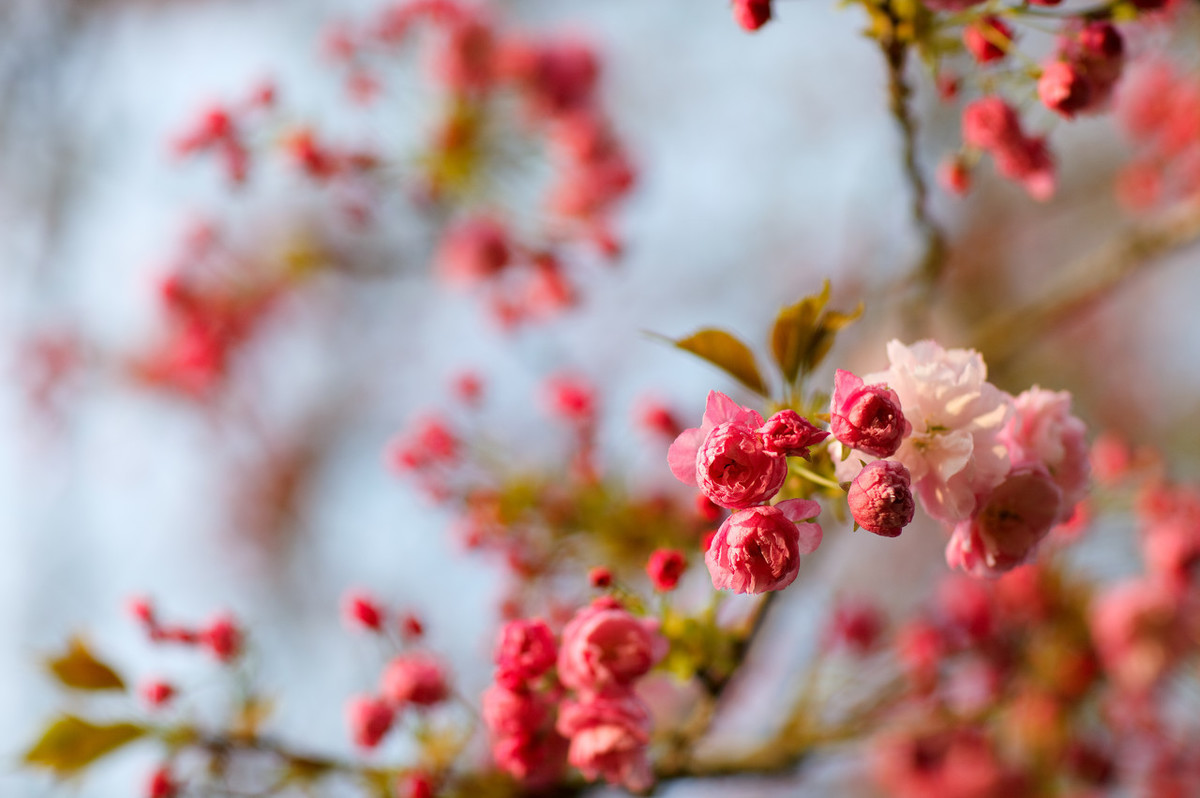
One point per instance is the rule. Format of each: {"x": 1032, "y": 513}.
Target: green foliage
{"x": 697, "y": 644}
{"x": 804, "y": 333}
{"x": 79, "y": 669}
{"x": 70, "y": 744}
{"x": 727, "y": 353}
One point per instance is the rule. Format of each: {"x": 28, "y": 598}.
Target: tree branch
{"x": 1006, "y": 335}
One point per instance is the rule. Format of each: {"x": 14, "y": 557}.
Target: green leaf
{"x": 80, "y": 670}
{"x": 727, "y": 353}
{"x": 793, "y": 326}
{"x": 70, "y": 744}
{"x": 804, "y": 333}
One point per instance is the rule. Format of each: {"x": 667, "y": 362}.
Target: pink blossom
{"x": 881, "y": 499}
{"x": 856, "y": 625}
{"x": 790, "y": 434}
{"x": 735, "y": 470}
{"x": 605, "y": 646}
{"x": 474, "y": 251}
{"x": 609, "y": 735}
{"x": 759, "y": 549}
{"x": 370, "y": 718}
{"x": 416, "y": 679}
{"x": 955, "y": 763}
{"x": 1012, "y": 521}
{"x": 866, "y": 417}
{"x": 954, "y": 176}
{"x": 1063, "y": 89}
{"x": 222, "y": 637}
{"x": 953, "y": 453}
{"x": 665, "y": 567}
{"x": 362, "y": 611}
{"x": 992, "y": 125}
{"x": 157, "y": 693}
{"x": 1134, "y": 627}
{"x": 1042, "y": 432}
{"x": 752, "y": 14}
{"x": 571, "y": 398}
{"x": 719, "y": 409}
{"x": 726, "y": 458}
{"x": 524, "y": 651}
{"x": 524, "y": 742}
{"x": 987, "y": 39}
{"x": 1172, "y": 552}
{"x": 162, "y": 784}
{"x": 508, "y": 712}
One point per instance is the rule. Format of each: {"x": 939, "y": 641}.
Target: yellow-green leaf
{"x": 79, "y": 669}
{"x": 727, "y": 353}
{"x": 70, "y": 744}
{"x": 804, "y": 333}
{"x": 793, "y": 329}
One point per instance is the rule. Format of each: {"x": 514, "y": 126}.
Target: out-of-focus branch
{"x": 928, "y": 270}
{"x": 1007, "y": 334}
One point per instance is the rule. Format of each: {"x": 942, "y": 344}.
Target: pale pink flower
{"x": 866, "y": 417}
{"x": 759, "y": 549}
{"x": 609, "y": 735}
{"x": 1013, "y": 520}
{"x": 881, "y": 499}
{"x": 1043, "y": 432}
{"x": 953, "y": 453}
{"x": 604, "y": 645}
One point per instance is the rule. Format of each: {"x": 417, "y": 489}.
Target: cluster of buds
{"x": 214, "y": 300}
{"x": 1079, "y": 78}
{"x": 1000, "y": 471}
{"x": 221, "y": 637}
{"x": 1159, "y": 108}
{"x": 602, "y": 727}
{"x": 739, "y": 462}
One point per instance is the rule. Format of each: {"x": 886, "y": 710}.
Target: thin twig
{"x": 929, "y": 268}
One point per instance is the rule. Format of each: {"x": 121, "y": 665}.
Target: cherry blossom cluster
{"x": 1159, "y": 108}
{"x": 1048, "y": 676}
{"x": 526, "y": 519}
{"x": 498, "y": 92}
{"x": 1078, "y": 77}
{"x": 412, "y": 679}
{"x": 602, "y": 727}
{"x": 214, "y": 299}
{"x": 221, "y": 636}
{"x": 739, "y": 462}
{"x": 1000, "y": 471}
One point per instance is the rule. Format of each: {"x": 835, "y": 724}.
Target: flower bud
{"x": 867, "y": 417}
{"x": 881, "y": 499}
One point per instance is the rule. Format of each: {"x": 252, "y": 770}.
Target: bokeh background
{"x": 766, "y": 163}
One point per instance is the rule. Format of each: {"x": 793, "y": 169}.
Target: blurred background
{"x": 764, "y": 164}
